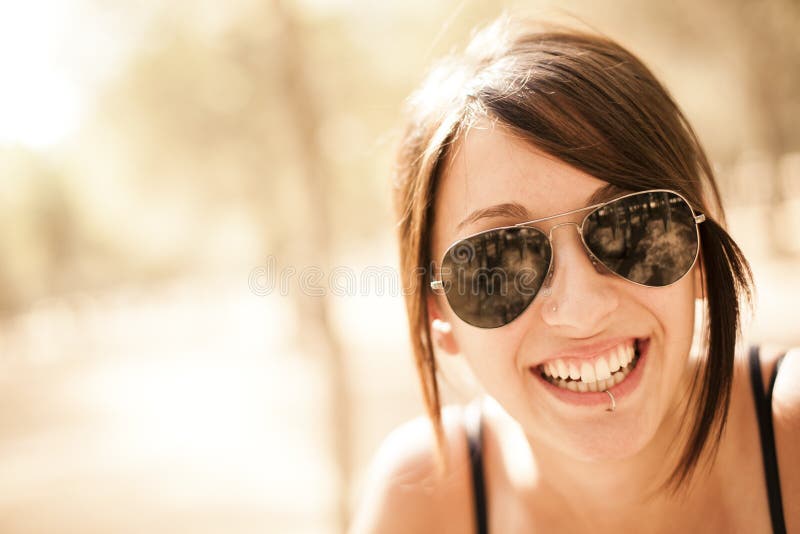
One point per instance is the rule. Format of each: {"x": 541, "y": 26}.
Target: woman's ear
{"x": 441, "y": 329}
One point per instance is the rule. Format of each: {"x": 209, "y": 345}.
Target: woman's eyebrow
{"x": 506, "y": 209}
{"x": 516, "y": 210}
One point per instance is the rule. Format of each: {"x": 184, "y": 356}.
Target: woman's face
{"x": 585, "y": 315}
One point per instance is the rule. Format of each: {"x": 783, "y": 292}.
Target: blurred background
{"x": 200, "y": 324}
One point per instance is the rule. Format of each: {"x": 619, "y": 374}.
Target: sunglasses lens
{"x": 649, "y": 238}
{"x": 492, "y": 277}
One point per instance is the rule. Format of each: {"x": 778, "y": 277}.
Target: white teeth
{"x": 587, "y": 372}
{"x": 613, "y": 361}
{"x": 622, "y": 356}
{"x": 574, "y": 372}
{"x": 628, "y": 353}
{"x": 603, "y": 373}
{"x": 601, "y": 369}
{"x": 563, "y": 371}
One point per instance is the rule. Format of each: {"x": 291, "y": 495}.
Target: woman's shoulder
{"x": 785, "y": 394}
{"x": 785, "y": 417}
{"x": 405, "y": 490}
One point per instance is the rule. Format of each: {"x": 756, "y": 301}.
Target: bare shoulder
{"x": 743, "y": 451}
{"x": 405, "y": 491}
{"x": 786, "y": 395}
{"x": 786, "y": 418}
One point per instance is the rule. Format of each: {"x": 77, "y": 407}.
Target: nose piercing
{"x": 613, "y": 402}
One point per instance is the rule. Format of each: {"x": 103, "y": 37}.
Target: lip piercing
{"x": 613, "y": 402}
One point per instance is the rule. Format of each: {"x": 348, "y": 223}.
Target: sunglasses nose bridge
{"x": 578, "y": 229}
{"x": 559, "y": 225}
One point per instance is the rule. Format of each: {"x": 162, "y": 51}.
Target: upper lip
{"x": 585, "y": 350}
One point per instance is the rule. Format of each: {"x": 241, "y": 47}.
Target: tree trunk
{"x": 315, "y": 225}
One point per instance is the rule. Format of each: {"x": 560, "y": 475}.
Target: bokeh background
{"x": 200, "y": 324}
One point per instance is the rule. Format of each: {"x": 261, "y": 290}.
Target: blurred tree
{"x": 770, "y": 33}
{"x": 315, "y": 222}
{"x": 41, "y": 233}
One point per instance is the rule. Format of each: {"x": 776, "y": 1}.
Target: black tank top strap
{"x": 473, "y": 417}
{"x": 763, "y": 402}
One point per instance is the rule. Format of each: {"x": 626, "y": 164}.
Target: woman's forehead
{"x": 495, "y": 173}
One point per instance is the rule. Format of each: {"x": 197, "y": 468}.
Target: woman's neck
{"x": 608, "y": 494}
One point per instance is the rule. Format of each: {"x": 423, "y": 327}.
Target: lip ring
{"x": 599, "y": 398}
{"x": 613, "y": 401}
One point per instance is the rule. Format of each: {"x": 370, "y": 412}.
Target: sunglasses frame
{"x": 437, "y": 285}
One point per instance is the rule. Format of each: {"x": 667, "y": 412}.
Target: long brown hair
{"x": 592, "y": 104}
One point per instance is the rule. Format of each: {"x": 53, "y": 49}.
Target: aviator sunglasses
{"x": 649, "y": 238}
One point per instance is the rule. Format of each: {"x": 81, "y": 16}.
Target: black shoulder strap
{"x": 764, "y": 412}
{"x": 474, "y": 430}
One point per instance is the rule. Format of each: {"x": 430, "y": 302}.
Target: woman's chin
{"x": 608, "y": 443}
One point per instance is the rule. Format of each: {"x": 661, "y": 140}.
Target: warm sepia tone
{"x": 201, "y": 324}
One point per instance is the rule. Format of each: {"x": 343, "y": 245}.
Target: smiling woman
{"x": 564, "y": 218}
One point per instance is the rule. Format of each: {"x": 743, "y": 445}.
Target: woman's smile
{"x": 583, "y": 381}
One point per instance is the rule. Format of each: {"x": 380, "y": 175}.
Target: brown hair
{"x": 592, "y": 104}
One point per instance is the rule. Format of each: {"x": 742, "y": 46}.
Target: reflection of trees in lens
{"x": 648, "y": 244}
{"x": 608, "y": 242}
{"x": 528, "y": 281}
{"x": 664, "y": 256}
{"x": 463, "y": 252}
{"x": 488, "y": 298}
{"x": 489, "y": 282}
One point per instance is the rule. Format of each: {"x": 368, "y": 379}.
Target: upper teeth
{"x": 592, "y": 370}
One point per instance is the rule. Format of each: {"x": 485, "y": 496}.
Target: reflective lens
{"x": 490, "y": 278}
{"x": 647, "y": 238}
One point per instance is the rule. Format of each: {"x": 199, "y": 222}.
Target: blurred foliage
{"x": 189, "y": 157}
{"x": 213, "y": 135}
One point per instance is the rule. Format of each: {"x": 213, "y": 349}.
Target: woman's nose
{"x": 579, "y": 298}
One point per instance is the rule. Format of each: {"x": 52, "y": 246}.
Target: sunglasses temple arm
{"x": 699, "y": 218}
{"x": 437, "y": 286}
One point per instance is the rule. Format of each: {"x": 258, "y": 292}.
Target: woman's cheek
{"x": 492, "y": 355}
{"x": 674, "y": 307}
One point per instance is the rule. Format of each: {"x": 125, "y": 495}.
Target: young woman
{"x": 558, "y": 222}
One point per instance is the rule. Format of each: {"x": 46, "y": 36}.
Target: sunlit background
{"x": 173, "y": 174}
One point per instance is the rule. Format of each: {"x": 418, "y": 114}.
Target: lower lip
{"x": 600, "y": 398}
